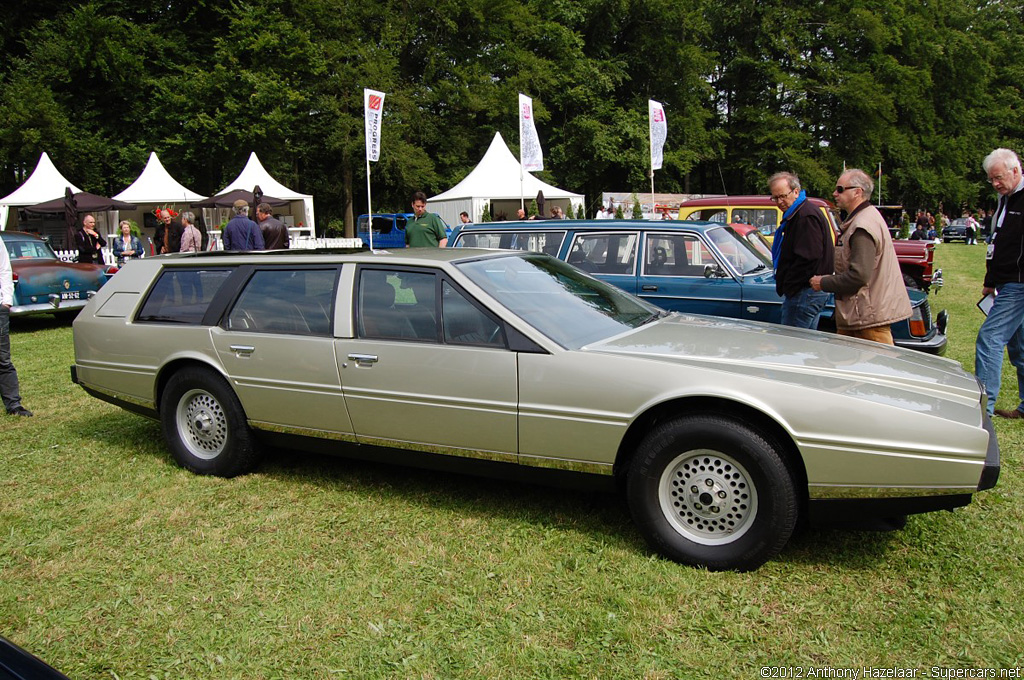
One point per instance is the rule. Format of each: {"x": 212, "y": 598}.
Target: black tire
{"x": 205, "y": 426}
{"x": 708, "y": 491}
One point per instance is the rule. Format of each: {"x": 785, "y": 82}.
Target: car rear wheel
{"x": 709, "y": 491}
{"x": 205, "y": 426}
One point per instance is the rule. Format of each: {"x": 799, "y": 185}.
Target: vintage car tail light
{"x": 918, "y": 326}
{"x": 110, "y": 270}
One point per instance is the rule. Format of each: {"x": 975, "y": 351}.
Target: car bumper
{"x": 933, "y": 344}
{"x": 51, "y": 306}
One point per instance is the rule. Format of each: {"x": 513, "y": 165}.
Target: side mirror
{"x": 714, "y": 271}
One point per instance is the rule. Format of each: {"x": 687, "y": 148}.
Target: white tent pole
{"x": 369, "y": 204}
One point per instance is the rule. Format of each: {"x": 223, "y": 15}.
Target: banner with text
{"x": 530, "y": 154}
{"x": 659, "y": 132}
{"x": 373, "y": 106}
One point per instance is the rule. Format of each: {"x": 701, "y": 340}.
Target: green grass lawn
{"x": 115, "y": 563}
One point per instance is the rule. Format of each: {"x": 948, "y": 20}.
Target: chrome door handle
{"x": 363, "y": 359}
{"x": 648, "y": 288}
{"x": 242, "y": 349}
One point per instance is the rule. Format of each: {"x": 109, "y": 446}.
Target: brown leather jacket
{"x": 883, "y": 299}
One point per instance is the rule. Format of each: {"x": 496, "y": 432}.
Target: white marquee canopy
{"x": 496, "y": 181}
{"x": 44, "y": 184}
{"x": 254, "y": 174}
{"x": 155, "y": 185}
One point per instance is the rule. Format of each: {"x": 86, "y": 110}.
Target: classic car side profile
{"x": 724, "y": 434}
{"x": 43, "y": 284}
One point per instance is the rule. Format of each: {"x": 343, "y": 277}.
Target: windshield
{"x": 760, "y": 243}
{"x": 743, "y": 257}
{"x": 559, "y": 300}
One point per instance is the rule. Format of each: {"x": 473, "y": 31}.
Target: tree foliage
{"x": 750, "y": 87}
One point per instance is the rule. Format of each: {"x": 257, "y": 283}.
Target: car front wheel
{"x": 709, "y": 491}
{"x": 205, "y": 426}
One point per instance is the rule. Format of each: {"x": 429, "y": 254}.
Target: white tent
{"x": 44, "y": 184}
{"x": 495, "y": 181}
{"x": 155, "y": 185}
{"x": 254, "y": 174}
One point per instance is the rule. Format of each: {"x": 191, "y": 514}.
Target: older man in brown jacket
{"x": 869, "y": 289}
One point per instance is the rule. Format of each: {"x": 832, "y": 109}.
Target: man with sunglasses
{"x": 1004, "y": 277}
{"x": 869, "y": 289}
{"x": 802, "y": 247}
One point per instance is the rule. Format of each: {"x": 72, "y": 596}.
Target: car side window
{"x": 605, "y": 253}
{"x": 465, "y": 323}
{"x": 547, "y": 242}
{"x": 675, "y": 255}
{"x": 397, "y": 305}
{"x": 181, "y": 296}
{"x": 292, "y": 301}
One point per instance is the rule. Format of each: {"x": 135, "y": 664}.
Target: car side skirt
{"x": 825, "y": 511}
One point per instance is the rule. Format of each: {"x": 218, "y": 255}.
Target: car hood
{"x": 867, "y": 370}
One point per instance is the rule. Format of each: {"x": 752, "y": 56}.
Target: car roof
{"x": 590, "y": 225}
{"x": 19, "y": 236}
{"x": 743, "y": 202}
{"x": 327, "y": 256}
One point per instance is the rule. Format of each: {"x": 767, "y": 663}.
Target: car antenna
{"x": 722, "y": 177}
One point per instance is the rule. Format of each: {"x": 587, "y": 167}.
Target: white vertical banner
{"x": 373, "y": 109}
{"x": 530, "y": 155}
{"x": 659, "y": 132}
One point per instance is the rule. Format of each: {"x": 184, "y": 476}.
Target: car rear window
{"x": 181, "y": 296}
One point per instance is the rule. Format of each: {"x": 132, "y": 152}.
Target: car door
{"x": 276, "y": 346}
{"x": 428, "y": 368}
{"x": 673, "y": 276}
{"x": 609, "y": 256}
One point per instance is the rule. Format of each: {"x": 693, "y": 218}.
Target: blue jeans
{"x": 803, "y": 309}
{"x": 8, "y": 376}
{"x": 1002, "y": 327}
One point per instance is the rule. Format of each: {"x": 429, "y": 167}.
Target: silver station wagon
{"x": 724, "y": 434}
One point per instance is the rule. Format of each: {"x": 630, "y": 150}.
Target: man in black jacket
{"x": 802, "y": 248}
{"x": 1004, "y": 277}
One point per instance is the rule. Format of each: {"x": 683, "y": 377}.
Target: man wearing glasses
{"x": 802, "y": 247}
{"x": 1004, "y": 277}
{"x": 869, "y": 289}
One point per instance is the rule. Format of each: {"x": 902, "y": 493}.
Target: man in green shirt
{"x": 426, "y": 230}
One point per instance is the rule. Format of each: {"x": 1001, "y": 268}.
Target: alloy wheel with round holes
{"x": 711, "y": 491}
{"x": 708, "y": 497}
{"x": 205, "y": 425}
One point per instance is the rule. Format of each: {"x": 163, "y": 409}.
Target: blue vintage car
{"x": 43, "y": 283}
{"x": 693, "y": 267}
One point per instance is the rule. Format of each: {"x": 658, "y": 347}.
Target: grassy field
{"x": 115, "y": 563}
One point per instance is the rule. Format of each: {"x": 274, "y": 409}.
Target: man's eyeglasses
{"x": 841, "y": 189}
{"x": 782, "y": 196}
{"x": 1000, "y": 177}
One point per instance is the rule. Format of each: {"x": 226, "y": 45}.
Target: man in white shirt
{"x": 8, "y": 375}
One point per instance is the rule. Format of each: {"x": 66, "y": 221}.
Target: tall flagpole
{"x": 658, "y": 132}
{"x": 373, "y": 109}
{"x": 369, "y": 204}
{"x": 531, "y": 157}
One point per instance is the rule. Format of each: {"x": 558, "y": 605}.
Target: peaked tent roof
{"x": 254, "y": 174}
{"x": 155, "y": 185}
{"x": 43, "y": 184}
{"x": 497, "y": 176}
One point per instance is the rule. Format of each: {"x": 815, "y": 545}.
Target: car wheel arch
{"x": 170, "y": 368}
{"x": 763, "y": 423}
